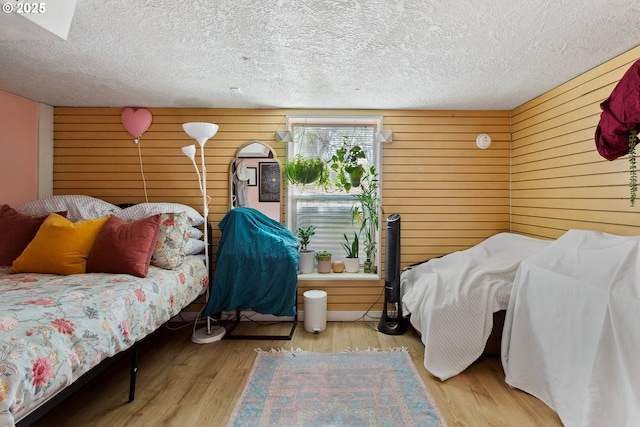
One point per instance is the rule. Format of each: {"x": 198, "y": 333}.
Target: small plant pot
{"x": 305, "y": 264}
{"x": 369, "y": 267}
{"x": 324, "y": 265}
{"x": 337, "y": 266}
{"x": 352, "y": 265}
{"x": 356, "y": 176}
{"x": 324, "y": 261}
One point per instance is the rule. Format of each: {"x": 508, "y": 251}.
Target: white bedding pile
{"x": 571, "y": 335}
{"x": 452, "y": 299}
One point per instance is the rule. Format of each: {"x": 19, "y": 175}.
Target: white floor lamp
{"x": 201, "y": 132}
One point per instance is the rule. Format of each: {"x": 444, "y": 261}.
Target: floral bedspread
{"x": 55, "y": 328}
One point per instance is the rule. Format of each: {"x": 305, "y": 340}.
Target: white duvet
{"x": 572, "y": 329}
{"x": 452, "y": 299}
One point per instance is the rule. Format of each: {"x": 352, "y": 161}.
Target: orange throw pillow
{"x": 59, "y": 247}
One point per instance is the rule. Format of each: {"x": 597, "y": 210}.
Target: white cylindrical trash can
{"x": 315, "y": 311}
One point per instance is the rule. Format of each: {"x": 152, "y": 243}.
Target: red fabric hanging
{"x": 620, "y": 114}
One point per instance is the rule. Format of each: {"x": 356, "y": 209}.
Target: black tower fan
{"x": 392, "y": 322}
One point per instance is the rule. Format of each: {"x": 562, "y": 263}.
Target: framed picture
{"x": 253, "y": 177}
{"x": 269, "y": 189}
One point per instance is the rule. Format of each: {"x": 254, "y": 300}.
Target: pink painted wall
{"x": 18, "y": 149}
{"x": 270, "y": 209}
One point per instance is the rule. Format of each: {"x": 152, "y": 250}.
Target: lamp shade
{"x": 200, "y": 131}
{"x": 190, "y": 151}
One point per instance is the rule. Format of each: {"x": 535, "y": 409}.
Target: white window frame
{"x": 376, "y": 122}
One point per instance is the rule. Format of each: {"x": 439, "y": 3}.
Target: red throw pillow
{"x": 17, "y": 230}
{"x": 124, "y": 247}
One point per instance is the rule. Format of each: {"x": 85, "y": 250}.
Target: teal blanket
{"x": 256, "y": 266}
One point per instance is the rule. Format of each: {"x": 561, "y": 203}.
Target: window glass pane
{"x": 324, "y": 141}
{"x": 332, "y": 219}
{"x": 328, "y": 209}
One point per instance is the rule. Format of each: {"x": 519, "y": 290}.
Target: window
{"x": 328, "y": 209}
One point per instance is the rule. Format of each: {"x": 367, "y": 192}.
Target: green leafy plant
{"x": 367, "y": 206}
{"x": 306, "y": 171}
{"x": 323, "y": 256}
{"x": 366, "y": 211}
{"x": 351, "y": 248}
{"x": 348, "y": 162}
{"x": 304, "y": 236}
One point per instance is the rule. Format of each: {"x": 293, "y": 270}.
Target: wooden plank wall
{"x": 450, "y": 194}
{"x": 559, "y": 181}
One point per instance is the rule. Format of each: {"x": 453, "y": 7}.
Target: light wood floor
{"x": 184, "y": 384}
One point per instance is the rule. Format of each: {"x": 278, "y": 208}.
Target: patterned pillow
{"x": 143, "y": 210}
{"x": 172, "y": 240}
{"x": 79, "y": 207}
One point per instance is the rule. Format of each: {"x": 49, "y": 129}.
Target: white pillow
{"x": 194, "y": 247}
{"x": 143, "y": 210}
{"x": 195, "y": 233}
{"x": 78, "y": 207}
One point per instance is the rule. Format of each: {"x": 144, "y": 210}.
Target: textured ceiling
{"x": 382, "y": 54}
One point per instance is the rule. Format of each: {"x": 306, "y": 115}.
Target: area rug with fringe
{"x": 355, "y": 388}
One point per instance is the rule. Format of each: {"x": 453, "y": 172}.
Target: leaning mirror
{"x": 256, "y": 179}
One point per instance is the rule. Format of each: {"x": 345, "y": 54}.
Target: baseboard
{"x": 352, "y": 316}
{"x": 332, "y": 316}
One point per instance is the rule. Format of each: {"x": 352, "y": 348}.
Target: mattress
{"x": 53, "y": 329}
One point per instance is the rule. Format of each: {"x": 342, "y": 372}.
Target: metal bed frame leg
{"x": 134, "y": 371}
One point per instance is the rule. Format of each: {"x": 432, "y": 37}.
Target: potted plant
{"x": 348, "y": 163}
{"x": 370, "y": 250}
{"x": 367, "y": 212}
{"x": 324, "y": 261}
{"x": 352, "y": 261}
{"x": 366, "y": 208}
{"x": 305, "y": 264}
{"x": 306, "y": 170}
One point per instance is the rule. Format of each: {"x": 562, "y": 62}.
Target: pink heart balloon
{"x": 136, "y": 122}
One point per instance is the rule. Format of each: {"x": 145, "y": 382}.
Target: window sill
{"x": 338, "y": 276}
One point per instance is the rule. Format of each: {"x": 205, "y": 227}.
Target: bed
{"x": 571, "y": 329}
{"x": 451, "y": 300}
{"x": 144, "y": 265}
{"x": 570, "y": 334}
